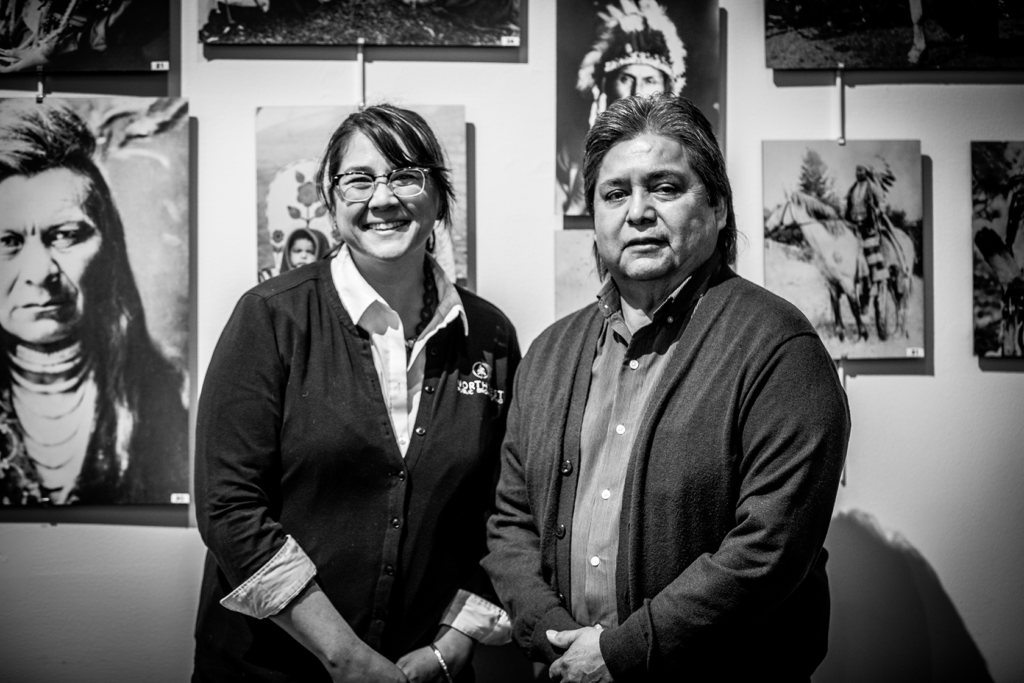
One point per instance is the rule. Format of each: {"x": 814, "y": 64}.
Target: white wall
{"x": 938, "y": 458}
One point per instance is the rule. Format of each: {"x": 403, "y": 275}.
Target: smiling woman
{"x": 90, "y": 411}
{"x": 349, "y": 430}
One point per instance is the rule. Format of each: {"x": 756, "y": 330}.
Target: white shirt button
{"x": 620, "y": 429}
{"x": 671, "y": 320}
{"x": 634, "y": 364}
{"x": 595, "y": 560}
{"x": 606, "y": 494}
{"x": 402, "y": 440}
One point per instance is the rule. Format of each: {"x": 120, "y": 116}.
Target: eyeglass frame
{"x": 387, "y": 182}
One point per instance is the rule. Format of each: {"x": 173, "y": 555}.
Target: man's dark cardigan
{"x": 728, "y": 495}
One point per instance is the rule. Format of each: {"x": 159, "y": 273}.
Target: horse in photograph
{"x": 835, "y": 250}
{"x": 976, "y": 22}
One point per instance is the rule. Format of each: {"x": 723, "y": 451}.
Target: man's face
{"x": 652, "y": 218}
{"x": 47, "y": 242}
{"x": 636, "y": 79}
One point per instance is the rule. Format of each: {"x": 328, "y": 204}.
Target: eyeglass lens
{"x": 403, "y": 182}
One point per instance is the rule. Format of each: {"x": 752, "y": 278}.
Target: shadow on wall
{"x": 891, "y": 619}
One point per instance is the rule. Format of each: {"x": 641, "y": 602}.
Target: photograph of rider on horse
{"x": 843, "y": 241}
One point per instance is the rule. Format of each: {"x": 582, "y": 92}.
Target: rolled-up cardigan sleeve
{"x": 793, "y": 425}
{"x": 238, "y": 466}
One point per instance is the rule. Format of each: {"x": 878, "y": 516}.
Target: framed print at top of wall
{"x": 612, "y": 48}
{"x": 289, "y": 143}
{"x": 94, "y": 301}
{"x": 997, "y": 188}
{"x": 894, "y": 34}
{"x": 84, "y": 35}
{"x": 843, "y": 241}
{"x": 451, "y": 23}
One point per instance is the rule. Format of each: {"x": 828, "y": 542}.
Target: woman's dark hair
{"x": 402, "y": 137}
{"x": 35, "y": 138}
{"x": 675, "y": 118}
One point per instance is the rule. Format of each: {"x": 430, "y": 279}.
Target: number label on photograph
{"x": 510, "y": 41}
{"x": 915, "y": 352}
{"x": 159, "y": 66}
{"x": 180, "y": 498}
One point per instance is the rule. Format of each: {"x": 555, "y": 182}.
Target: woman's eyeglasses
{"x": 359, "y": 187}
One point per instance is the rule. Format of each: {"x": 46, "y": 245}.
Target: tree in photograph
{"x": 816, "y": 181}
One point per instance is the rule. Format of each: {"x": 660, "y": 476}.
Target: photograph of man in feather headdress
{"x": 643, "y": 47}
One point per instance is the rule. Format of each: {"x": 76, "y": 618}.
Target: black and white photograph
{"x": 609, "y": 49}
{"x": 94, "y": 301}
{"x": 894, "y": 34}
{"x": 997, "y": 190}
{"x": 576, "y": 275}
{"x": 84, "y": 35}
{"x": 843, "y": 241}
{"x": 293, "y": 228}
{"x": 453, "y": 23}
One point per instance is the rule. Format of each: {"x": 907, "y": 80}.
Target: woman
{"x": 347, "y": 441}
{"x": 90, "y": 411}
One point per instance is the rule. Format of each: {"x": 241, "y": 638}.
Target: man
{"x": 673, "y": 451}
{"x": 863, "y": 203}
{"x": 637, "y": 52}
{"x": 91, "y": 411}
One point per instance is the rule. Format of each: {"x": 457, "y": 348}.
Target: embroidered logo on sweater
{"x": 482, "y": 372}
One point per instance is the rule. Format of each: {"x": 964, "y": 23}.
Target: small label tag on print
{"x": 180, "y": 498}
{"x": 510, "y": 41}
{"x": 915, "y": 352}
{"x": 159, "y": 66}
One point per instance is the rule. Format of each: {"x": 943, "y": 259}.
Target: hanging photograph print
{"x": 292, "y": 225}
{"x": 94, "y": 301}
{"x": 576, "y": 274}
{"x": 450, "y": 23}
{"x": 894, "y": 34}
{"x": 84, "y": 35}
{"x": 609, "y": 49}
{"x": 997, "y": 189}
{"x": 843, "y": 241}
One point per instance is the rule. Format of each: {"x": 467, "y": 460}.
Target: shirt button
{"x": 560, "y": 531}
{"x": 594, "y": 561}
{"x": 606, "y": 494}
{"x": 420, "y": 431}
{"x": 620, "y": 429}
{"x": 566, "y": 468}
{"x": 429, "y": 388}
{"x": 396, "y": 522}
{"x": 432, "y": 351}
{"x": 389, "y": 570}
{"x": 671, "y": 320}
{"x": 634, "y": 364}
{"x": 402, "y": 440}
